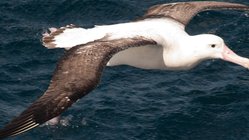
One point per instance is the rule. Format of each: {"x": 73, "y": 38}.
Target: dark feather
{"x": 183, "y": 12}
{"x": 77, "y": 73}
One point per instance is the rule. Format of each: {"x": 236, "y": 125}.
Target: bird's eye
{"x": 213, "y": 45}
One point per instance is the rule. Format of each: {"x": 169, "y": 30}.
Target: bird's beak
{"x": 229, "y": 55}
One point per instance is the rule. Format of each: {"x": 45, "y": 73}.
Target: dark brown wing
{"x": 77, "y": 73}
{"x": 183, "y": 12}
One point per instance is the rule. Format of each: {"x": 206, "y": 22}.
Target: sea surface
{"x": 209, "y": 102}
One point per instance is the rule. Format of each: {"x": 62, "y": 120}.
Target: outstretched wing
{"x": 183, "y": 12}
{"x": 77, "y": 73}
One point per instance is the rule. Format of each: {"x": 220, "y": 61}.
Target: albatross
{"x": 157, "y": 40}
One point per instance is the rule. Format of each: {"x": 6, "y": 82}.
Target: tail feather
{"x": 51, "y": 38}
{"x": 69, "y": 36}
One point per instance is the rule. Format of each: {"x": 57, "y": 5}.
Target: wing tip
{"x": 18, "y": 126}
{"x": 5, "y": 133}
{"x": 13, "y": 131}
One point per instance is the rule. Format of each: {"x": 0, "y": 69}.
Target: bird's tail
{"x": 70, "y": 36}
{"x": 64, "y": 37}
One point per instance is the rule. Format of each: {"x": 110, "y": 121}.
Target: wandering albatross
{"x": 155, "y": 41}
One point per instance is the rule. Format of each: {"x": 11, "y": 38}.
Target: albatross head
{"x": 195, "y": 49}
{"x": 209, "y": 46}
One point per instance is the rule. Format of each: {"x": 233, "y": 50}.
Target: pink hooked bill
{"x": 229, "y": 55}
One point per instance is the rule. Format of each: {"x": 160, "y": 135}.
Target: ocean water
{"x": 209, "y": 102}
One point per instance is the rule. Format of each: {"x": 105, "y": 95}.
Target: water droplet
{"x": 84, "y": 122}
{"x": 246, "y": 14}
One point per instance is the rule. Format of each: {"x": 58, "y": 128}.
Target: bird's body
{"x": 170, "y": 53}
{"x": 165, "y": 31}
{"x": 155, "y": 41}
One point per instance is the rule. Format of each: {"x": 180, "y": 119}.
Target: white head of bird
{"x": 196, "y": 49}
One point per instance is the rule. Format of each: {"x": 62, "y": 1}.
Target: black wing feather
{"x": 183, "y": 12}
{"x": 77, "y": 73}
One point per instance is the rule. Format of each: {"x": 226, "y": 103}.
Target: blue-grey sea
{"x": 209, "y": 102}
